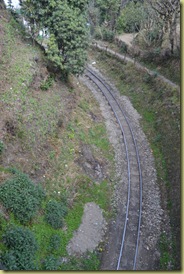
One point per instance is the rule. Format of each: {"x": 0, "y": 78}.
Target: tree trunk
{"x": 173, "y": 25}
{"x": 2, "y": 5}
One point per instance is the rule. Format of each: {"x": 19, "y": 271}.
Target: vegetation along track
{"x": 127, "y": 249}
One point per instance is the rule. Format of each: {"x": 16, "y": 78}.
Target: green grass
{"x": 166, "y": 260}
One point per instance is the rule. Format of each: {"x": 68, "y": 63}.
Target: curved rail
{"x": 90, "y": 72}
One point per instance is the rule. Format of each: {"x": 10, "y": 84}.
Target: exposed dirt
{"x": 91, "y": 165}
{"x": 90, "y": 232}
{"x": 127, "y": 38}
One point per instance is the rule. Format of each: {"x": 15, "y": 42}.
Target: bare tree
{"x": 169, "y": 12}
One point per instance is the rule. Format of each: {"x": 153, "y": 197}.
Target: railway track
{"x": 127, "y": 248}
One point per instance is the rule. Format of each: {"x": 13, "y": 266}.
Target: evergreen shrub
{"x": 20, "y": 196}
{"x": 22, "y": 247}
{"x": 54, "y": 214}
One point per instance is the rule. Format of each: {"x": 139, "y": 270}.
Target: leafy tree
{"x": 132, "y": 15}
{"x": 66, "y": 24}
{"x": 109, "y": 11}
{"x": 80, "y": 4}
{"x": 68, "y": 38}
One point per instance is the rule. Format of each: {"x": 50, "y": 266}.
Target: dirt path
{"x": 138, "y": 65}
{"x": 127, "y": 38}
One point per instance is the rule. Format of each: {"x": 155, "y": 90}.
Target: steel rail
{"x": 128, "y": 163}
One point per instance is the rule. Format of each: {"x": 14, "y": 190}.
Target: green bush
{"x": 55, "y": 242}
{"x": 21, "y": 196}
{"x": 22, "y": 247}
{"x": 105, "y": 34}
{"x": 124, "y": 47}
{"x": 55, "y": 212}
{"x": 50, "y": 263}
{"x": 108, "y": 35}
{"x": 147, "y": 78}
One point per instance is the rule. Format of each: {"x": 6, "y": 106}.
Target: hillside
{"x": 49, "y": 130}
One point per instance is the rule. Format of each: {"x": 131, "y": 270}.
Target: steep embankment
{"x": 54, "y": 132}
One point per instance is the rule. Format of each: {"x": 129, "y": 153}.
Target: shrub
{"x": 147, "y": 78}
{"x": 15, "y": 260}
{"x": 22, "y": 247}
{"x": 21, "y": 196}
{"x": 55, "y": 242}
{"x": 98, "y": 33}
{"x": 123, "y": 48}
{"x": 105, "y": 34}
{"x": 108, "y": 35}
{"x": 55, "y": 212}
{"x": 1, "y": 147}
{"x": 50, "y": 263}
{"x": 21, "y": 239}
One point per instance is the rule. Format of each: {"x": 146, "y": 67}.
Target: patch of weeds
{"x": 43, "y": 233}
{"x": 91, "y": 262}
{"x": 74, "y": 217}
{"x": 95, "y": 192}
{"x": 158, "y": 138}
{"x": 149, "y": 116}
{"x": 84, "y": 105}
{"x": 87, "y": 262}
{"x": 21, "y": 134}
{"x": 166, "y": 260}
{"x": 52, "y": 155}
{"x": 169, "y": 204}
{"x": 147, "y": 78}
{"x": 71, "y": 90}
{"x": 47, "y": 83}
{"x": 97, "y": 136}
{"x": 71, "y": 129}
